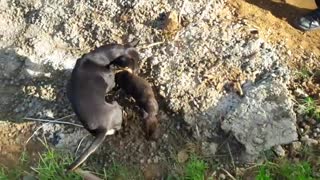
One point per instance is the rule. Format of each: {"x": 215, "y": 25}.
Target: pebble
{"x": 307, "y": 127}
{"x": 279, "y": 151}
{"x": 314, "y": 134}
{"x": 312, "y": 121}
{"x": 301, "y": 130}
{"x": 258, "y": 140}
{"x": 156, "y": 160}
{"x": 213, "y": 148}
{"x": 317, "y": 130}
{"x": 309, "y": 141}
{"x": 222, "y": 176}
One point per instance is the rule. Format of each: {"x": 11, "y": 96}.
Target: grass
{"x": 304, "y": 73}
{"x": 118, "y": 171}
{"x": 195, "y": 169}
{"x": 311, "y": 108}
{"x": 52, "y": 164}
{"x": 285, "y": 170}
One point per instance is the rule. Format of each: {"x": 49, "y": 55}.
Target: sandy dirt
{"x": 275, "y": 19}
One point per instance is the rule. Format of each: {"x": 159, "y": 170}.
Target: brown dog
{"x": 142, "y": 92}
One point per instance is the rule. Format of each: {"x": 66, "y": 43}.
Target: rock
{"x": 279, "y": 151}
{"x": 183, "y": 156}
{"x": 309, "y": 142}
{"x": 296, "y": 145}
{"x": 213, "y": 148}
{"x": 222, "y": 176}
{"x": 300, "y": 93}
{"x": 264, "y": 118}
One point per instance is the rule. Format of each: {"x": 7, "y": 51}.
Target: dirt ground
{"x": 274, "y": 21}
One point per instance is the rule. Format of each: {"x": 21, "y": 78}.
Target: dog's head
{"x": 129, "y": 60}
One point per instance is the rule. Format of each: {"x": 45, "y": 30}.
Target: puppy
{"x": 115, "y": 54}
{"x": 142, "y": 92}
{"x": 90, "y": 80}
{"x": 86, "y": 91}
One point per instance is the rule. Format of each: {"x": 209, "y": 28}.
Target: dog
{"x": 115, "y": 54}
{"x": 91, "y": 79}
{"x": 143, "y": 94}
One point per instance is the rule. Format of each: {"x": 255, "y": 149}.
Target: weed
{"x": 311, "y": 108}
{"x": 118, "y": 171}
{"x": 285, "y": 170}
{"x": 52, "y": 166}
{"x": 195, "y": 169}
{"x": 304, "y": 73}
{"x": 264, "y": 173}
{"x": 3, "y": 175}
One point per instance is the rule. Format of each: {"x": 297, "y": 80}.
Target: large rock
{"x": 264, "y": 118}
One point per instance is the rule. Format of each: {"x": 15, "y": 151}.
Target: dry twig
{"x": 230, "y": 153}
{"x": 229, "y": 174}
{"x": 56, "y": 121}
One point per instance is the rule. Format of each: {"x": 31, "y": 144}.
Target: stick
{"x": 150, "y": 45}
{"x": 53, "y": 121}
{"x": 239, "y": 88}
{"x": 34, "y": 133}
{"x": 81, "y": 143}
{"x": 232, "y": 161}
{"x": 233, "y": 178}
{"x": 87, "y": 175}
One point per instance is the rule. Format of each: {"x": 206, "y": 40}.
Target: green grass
{"x": 195, "y": 169}
{"x": 311, "y": 108}
{"x": 118, "y": 171}
{"x": 52, "y": 164}
{"x": 285, "y": 170}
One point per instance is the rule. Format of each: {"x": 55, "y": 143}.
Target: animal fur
{"x": 142, "y": 92}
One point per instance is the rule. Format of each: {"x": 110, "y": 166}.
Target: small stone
{"x": 213, "y": 148}
{"x": 149, "y": 161}
{"x": 182, "y": 156}
{"x": 279, "y": 151}
{"x": 317, "y": 130}
{"x": 301, "y": 130}
{"x": 307, "y": 127}
{"x": 142, "y": 161}
{"x": 156, "y": 160}
{"x": 305, "y": 137}
{"x": 296, "y": 145}
{"x": 300, "y": 93}
{"x": 222, "y": 176}
{"x": 257, "y": 140}
{"x": 309, "y": 141}
{"x": 312, "y": 121}
{"x": 153, "y": 145}
{"x": 314, "y": 134}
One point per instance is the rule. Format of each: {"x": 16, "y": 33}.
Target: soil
{"x": 275, "y": 21}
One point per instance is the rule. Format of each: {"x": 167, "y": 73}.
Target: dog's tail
{"x": 92, "y": 148}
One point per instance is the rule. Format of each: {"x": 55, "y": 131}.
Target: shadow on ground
{"x": 281, "y": 9}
